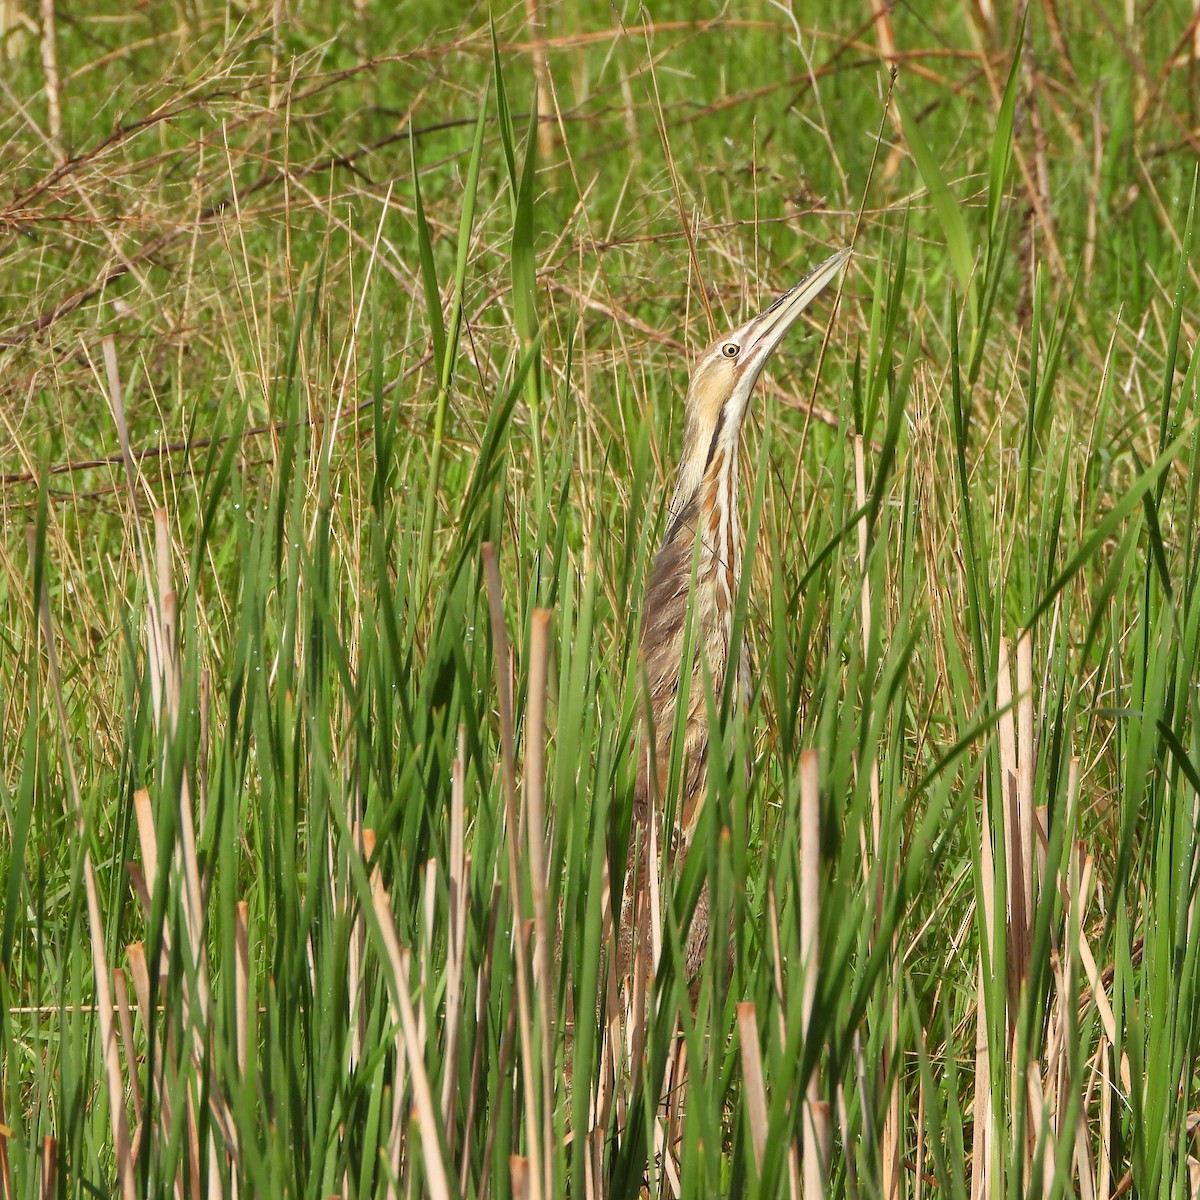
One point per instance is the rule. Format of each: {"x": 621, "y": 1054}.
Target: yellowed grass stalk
{"x": 891, "y": 1136}
{"x": 1025, "y": 881}
{"x": 670, "y": 1184}
{"x": 520, "y": 945}
{"x": 1079, "y": 880}
{"x": 816, "y": 1110}
{"x": 601, "y": 1102}
{"x": 342, "y": 889}
{"x": 456, "y": 935}
{"x": 780, "y": 1006}
{"x": 1026, "y": 769}
{"x": 241, "y": 994}
{"x": 982, "y": 1139}
{"x": 242, "y": 983}
{"x": 429, "y": 918}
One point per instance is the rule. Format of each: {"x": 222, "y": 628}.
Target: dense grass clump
{"x": 342, "y": 354}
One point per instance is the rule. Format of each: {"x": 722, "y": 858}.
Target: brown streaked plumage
{"x": 704, "y": 507}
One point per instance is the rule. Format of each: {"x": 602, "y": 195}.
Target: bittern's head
{"x": 727, "y": 371}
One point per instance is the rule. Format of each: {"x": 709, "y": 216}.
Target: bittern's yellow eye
{"x": 731, "y": 349}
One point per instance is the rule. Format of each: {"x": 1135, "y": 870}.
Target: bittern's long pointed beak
{"x": 766, "y": 331}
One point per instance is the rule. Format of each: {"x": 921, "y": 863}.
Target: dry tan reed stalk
{"x": 241, "y": 999}
{"x": 816, "y": 1111}
{"x": 6, "y": 1186}
{"x": 428, "y": 921}
{"x": 397, "y": 961}
{"x": 135, "y": 955}
{"x": 546, "y": 939}
{"x": 872, "y": 864}
{"x": 49, "y": 1171}
{"x": 981, "y": 1137}
{"x": 541, "y": 73}
{"x": 1026, "y": 769}
{"x": 483, "y": 985}
{"x": 780, "y": 1007}
{"x": 519, "y": 1174}
{"x": 512, "y": 836}
{"x": 456, "y": 949}
{"x": 752, "y": 1078}
{"x": 49, "y": 42}
{"x": 125, "y": 1023}
{"x": 1013, "y": 889}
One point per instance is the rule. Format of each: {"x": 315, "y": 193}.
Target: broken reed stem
{"x": 816, "y": 1122}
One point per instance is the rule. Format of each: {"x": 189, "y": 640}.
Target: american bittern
{"x": 706, "y": 578}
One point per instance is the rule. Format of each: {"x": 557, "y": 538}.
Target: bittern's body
{"x": 702, "y": 579}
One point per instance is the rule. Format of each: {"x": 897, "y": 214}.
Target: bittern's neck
{"x": 708, "y": 453}
{"x": 705, "y": 507}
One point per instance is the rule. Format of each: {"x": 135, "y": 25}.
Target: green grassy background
{"x": 340, "y": 387}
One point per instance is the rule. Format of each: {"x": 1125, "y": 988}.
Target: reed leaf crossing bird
{"x": 706, "y": 579}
